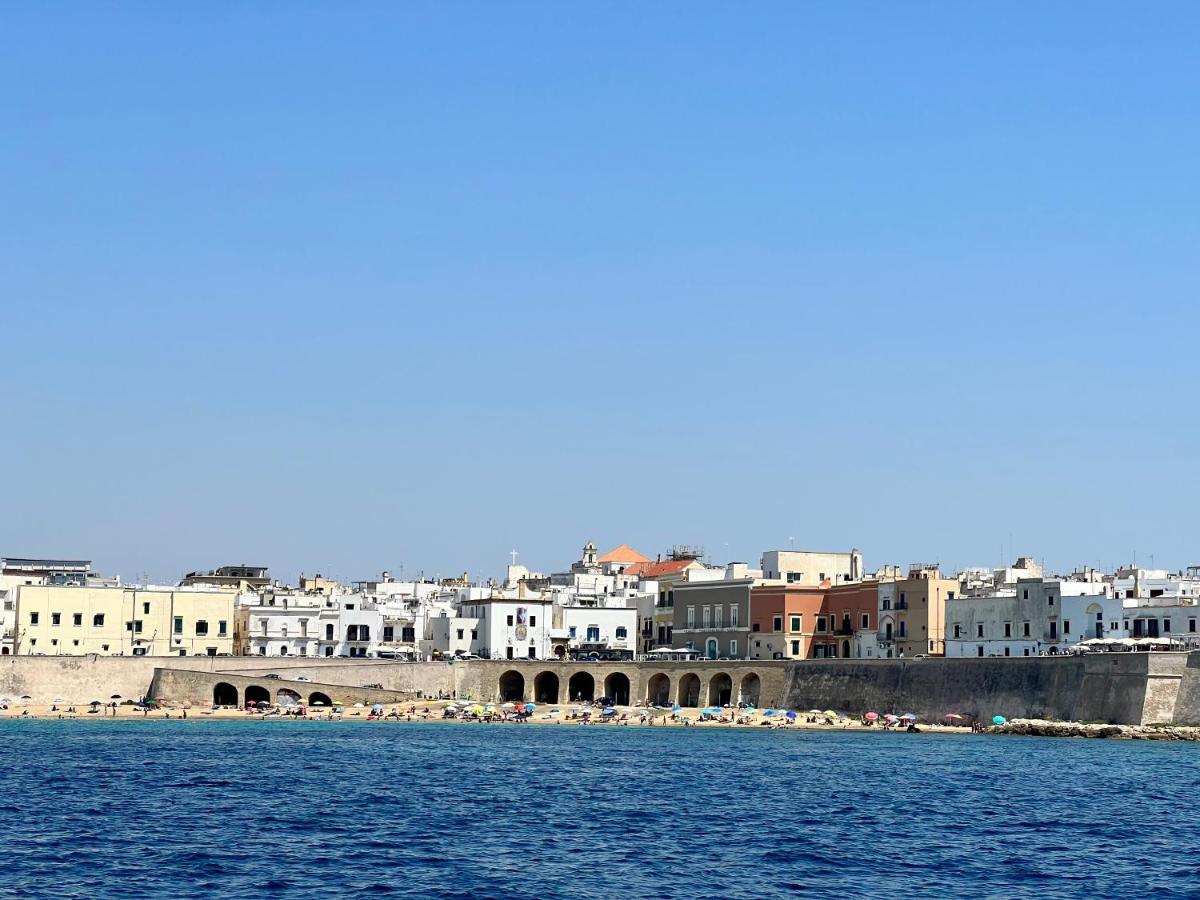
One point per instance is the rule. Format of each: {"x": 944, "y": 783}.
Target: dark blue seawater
{"x": 252, "y": 809}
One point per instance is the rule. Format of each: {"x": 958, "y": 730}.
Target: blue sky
{"x": 348, "y": 288}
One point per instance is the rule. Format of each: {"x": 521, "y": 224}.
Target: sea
{"x": 344, "y": 809}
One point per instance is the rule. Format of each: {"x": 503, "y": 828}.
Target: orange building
{"x": 788, "y": 621}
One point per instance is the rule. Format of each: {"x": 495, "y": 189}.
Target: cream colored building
{"x": 809, "y": 568}
{"x": 69, "y": 620}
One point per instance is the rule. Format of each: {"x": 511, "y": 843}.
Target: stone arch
{"x": 317, "y": 698}
{"x": 512, "y": 686}
{"x": 256, "y": 693}
{"x": 720, "y": 689}
{"x": 751, "y": 688}
{"x": 658, "y": 689}
{"x": 582, "y": 686}
{"x": 545, "y": 688}
{"x": 616, "y": 686}
{"x": 224, "y": 694}
{"x": 689, "y": 690}
{"x": 287, "y": 697}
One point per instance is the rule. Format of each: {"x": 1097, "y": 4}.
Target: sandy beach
{"x": 468, "y": 713}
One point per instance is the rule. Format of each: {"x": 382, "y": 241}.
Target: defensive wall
{"x": 1118, "y": 688}
{"x": 1121, "y": 688}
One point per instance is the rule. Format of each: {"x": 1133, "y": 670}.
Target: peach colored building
{"x": 795, "y": 622}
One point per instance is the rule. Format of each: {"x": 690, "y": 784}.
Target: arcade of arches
{"x": 624, "y": 688}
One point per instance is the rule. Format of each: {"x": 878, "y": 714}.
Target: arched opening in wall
{"x": 720, "y": 689}
{"x": 257, "y": 694}
{"x": 287, "y": 697}
{"x": 316, "y": 698}
{"x": 3, "y": 651}
{"x": 845, "y": 649}
{"x": 658, "y": 690}
{"x": 560, "y": 651}
{"x": 1095, "y": 623}
{"x": 582, "y": 686}
{"x": 224, "y": 694}
{"x": 710, "y": 648}
{"x": 545, "y": 688}
{"x": 689, "y": 690}
{"x": 616, "y": 688}
{"x": 512, "y": 686}
{"x": 751, "y": 689}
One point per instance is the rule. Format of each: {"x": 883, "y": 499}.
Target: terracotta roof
{"x": 624, "y": 553}
{"x": 666, "y": 567}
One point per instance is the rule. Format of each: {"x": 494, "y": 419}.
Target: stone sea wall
{"x": 1117, "y": 688}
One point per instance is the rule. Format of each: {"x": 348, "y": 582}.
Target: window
{"x": 866, "y": 620}
{"x": 532, "y": 621}
{"x": 691, "y": 617}
{"x": 949, "y": 595}
{"x": 902, "y": 599}
{"x": 303, "y": 628}
{"x": 460, "y": 633}
{"x": 1025, "y": 630}
{"x": 202, "y": 628}
{"x": 262, "y": 651}
{"x": 303, "y": 650}
{"x": 98, "y": 620}
{"x": 706, "y": 616}
{"x": 717, "y": 616}
{"x": 1008, "y": 629}
{"x": 55, "y": 618}
{"x": 178, "y": 626}
{"x": 733, "y": 615}
{"x": 901, "y": 628}
{"x": 957, "y": 630}
{"x": 33, "y": 618}
{"x": 570, "y": 633}
{"x": 389, "y": 632}
{"x": 795, "y": 623}
{"x": 1166, "y": 625}
{"x": 53, "y": 642}
{"x": 755, "y": 627}
{"x": 223, "y": 628}
{"x": 777, "y": 624}
{"x": 1053, "y": 629}
{"x": 104, "y": 647}
{"x": 979, "y": 630}
{"x": 137, "y": 626}
{"x": 1192, "y": 626}
{"x": 77, "y": 619}
{"x": 1066, "y": 626}
{"x": 1025, "y": 594}
{"x": 732, "y": 647}
{"x": 329, "y": 634}
{"x": 621, "y": 632}
{"x": 1050, "y": 600}
{"x": 820, "y": 623}
{"x": 475, "y": 634}
{"x": 979, "y": 650}
{"x": 1007, "y": 652}
{"x": 510, "y": 621}
{"x": 146, "y": 608}
{"x": 593, "y": 634}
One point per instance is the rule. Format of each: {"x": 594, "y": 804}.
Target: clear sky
{"x": 341, "y": 288}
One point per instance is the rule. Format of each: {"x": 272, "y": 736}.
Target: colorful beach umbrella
{"x": 529, "y": 707}
{"x": 872, "y": 716}
{"x": 998, "y": 720}
{"x": 790, "y": 714}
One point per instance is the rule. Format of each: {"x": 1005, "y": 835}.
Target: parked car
{"x": 466, "y": 656}
{"x": 271, "y": 675}
{"x": 303, "y": 678}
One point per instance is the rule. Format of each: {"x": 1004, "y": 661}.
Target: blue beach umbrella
{"x": 769, "y": 712}
{"x": 676, "y": 709}
{"x": 998, "y": 720}
{"x": 529, "y": 707}
{"x": 790, "y": 714}
{"x": 608, "y": 711}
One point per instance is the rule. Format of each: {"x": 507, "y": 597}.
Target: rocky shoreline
{"x": 1046, "y": 728}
